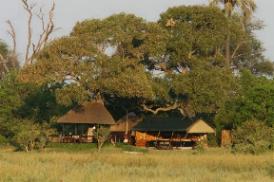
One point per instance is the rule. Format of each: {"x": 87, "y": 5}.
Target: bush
{"x": 212, "y": 140}
{"x": 29, "y": 136}
{"x": 252, "y": 137}
{"x": 102, "y": 135}
{"x": 3, "y": 140}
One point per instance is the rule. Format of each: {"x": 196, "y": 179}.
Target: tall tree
{"x": 82, "y": 63}
{"x": 117, "y": 58}
{"x": 246, "y": 7}
{"x": 194, "y": 62}
{"x": 254, "y": 100}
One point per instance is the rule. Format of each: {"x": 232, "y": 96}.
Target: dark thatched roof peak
{"x": 88, "y": 113}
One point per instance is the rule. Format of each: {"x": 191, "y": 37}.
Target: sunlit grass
{"x": 117, "y": 164}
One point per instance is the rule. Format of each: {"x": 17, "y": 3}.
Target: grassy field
{"x": 73, "y": 163}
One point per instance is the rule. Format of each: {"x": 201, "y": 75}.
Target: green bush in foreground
{"x": 30, "y": 136}
{"x": 253, "y": 137}
{"x": 3, "y": 140}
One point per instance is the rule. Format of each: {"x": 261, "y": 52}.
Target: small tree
{"x": 253, "y": 137}
{"x": 25, "y": 134}
{"x": 102, "y": 135}
{"x": 30, "y": 136}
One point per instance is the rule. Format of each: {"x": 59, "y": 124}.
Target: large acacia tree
{"x": 101, "y": 58}
{"x": 116, "y": 58}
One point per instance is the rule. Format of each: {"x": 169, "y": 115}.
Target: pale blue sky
{"x": 68, "y": 12}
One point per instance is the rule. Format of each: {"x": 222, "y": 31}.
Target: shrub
{"x": 252, "y": 137}
{"x": 102, "y": 135}
{"x": 212, "y": 140}
{"x": 29, "y": 135}
{"x": 3, "y": 140}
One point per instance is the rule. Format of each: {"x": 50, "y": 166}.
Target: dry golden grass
{"x": 117, "y": 165}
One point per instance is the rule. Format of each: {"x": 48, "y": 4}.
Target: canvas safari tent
{"x": 161, "y": 131}
{"x": 121, "y": 131}
{"x": 80, "y": 122}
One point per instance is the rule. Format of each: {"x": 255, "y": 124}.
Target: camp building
{"x": 160, "y": 131}
{"x": 79, "y": 123}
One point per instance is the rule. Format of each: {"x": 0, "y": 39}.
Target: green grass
{"x": 81, "y": 162}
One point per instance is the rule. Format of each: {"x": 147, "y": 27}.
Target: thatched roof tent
{"x": 126, "y": 123}
{"x": 168, "y": 124}
{"x": 88, "y": 113}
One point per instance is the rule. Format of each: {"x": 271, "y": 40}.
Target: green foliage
{"x": 102, "y": 135}
{"x": 28, "y": 135}
{"x": 11, "y": 94}
{"x": 264, "y": 67}
{"x": 212, "y": 140}
{"x": 116, "y": 57}
{"x": 132, "y": 36}
{"x": 199, "y": 147}
{"x": 3, "y": 48}
{"x": 3, "y": 140}
{"x": 8, "y": 60}
{"x": 72, "y": 147}
{"x": 126, "y": 79}
{"x": 25, "y": 135}
{"x": 207, "y": 87}
{"x": 71, "y": 94}
{"x": 198, "y": 31}
{"x": 25, "y": 111}
{"x": 253, "y": 137}
{"x": 82, "y": 59}
{"x": 255, "y": 100}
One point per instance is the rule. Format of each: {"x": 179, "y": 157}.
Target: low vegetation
{"x": 73, "y": 162}
{"x": 253, "y": 137}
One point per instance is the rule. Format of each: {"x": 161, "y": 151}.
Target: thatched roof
{"x": 88, "y": 113}
{"x": 126, "y": 123}
{"x": 167, "y": 124}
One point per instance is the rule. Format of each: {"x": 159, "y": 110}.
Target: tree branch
{"x": 4, "y": 62}
{"x": 12, "y": 33}
{"x": 28, "y": 9}
{"x": 47, "y": 28}
{"x": 236, "y": 49}
{"x": 161, "y": 109}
